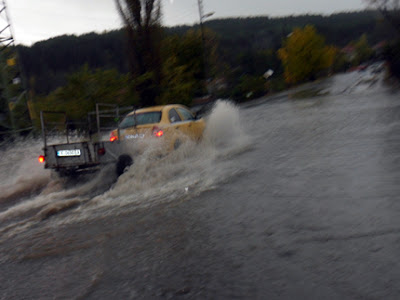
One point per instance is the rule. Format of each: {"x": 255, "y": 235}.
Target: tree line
{"x": 73, "y": 72}
{"x": 242, "y": 43}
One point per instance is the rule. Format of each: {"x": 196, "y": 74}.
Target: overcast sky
{"x": 38, "y": 20}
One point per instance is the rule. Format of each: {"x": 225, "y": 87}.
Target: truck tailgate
{"x": 69, "y": 155}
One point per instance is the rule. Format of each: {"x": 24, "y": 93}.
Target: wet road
{"x": 298, "y": 201}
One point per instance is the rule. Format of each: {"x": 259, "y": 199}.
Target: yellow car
{"x": 171, "y": 124}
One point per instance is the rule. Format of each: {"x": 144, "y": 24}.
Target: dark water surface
{"x": 286, "y": 198}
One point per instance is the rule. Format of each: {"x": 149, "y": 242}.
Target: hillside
{"x": 242, "y": 43}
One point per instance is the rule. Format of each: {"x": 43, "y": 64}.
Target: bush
{"x": 249, "y": 87}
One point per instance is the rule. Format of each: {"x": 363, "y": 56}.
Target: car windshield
{"x": 141, "y": 119}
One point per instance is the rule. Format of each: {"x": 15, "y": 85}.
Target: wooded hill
{"x": 244, "y": 46}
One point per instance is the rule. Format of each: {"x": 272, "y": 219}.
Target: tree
{"x": 14, "y": 114}
{"x": 84, "y": 89}
{"x": 304, "y": 55}
{"x": 390, "y": 9}
{"x": 179, "y": 83}
{"x": 142, "y": 19}
{"x": 182, "y": 68}
{"x": 249, "y": 87}
{"x": 363, "y": 51}
{"x": 183, "y": 65}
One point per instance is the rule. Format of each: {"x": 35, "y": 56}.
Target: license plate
{"x": 74, "y": 152}
{"x": 134, "y": 136}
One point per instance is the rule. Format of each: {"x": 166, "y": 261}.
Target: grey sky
{"x": 38, "y": 20}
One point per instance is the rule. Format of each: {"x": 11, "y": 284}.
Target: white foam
{"x": 20, "y": 171}
{"x": 182, "y": 174}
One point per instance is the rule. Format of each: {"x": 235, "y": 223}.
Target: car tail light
{"x": 41, "y": 159}
{"x": 157, "y": 132}
{"x": 113, "y": 136}
{"x": 102, "y": 151}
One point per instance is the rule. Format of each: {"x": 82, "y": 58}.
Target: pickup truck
{"x": 71, "y": 154}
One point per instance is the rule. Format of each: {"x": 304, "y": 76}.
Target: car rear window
{"x": 141, "y": 119}
{"x": 187, "y": 115}
{"x": 173, "y": 116}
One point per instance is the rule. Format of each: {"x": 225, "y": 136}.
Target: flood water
{"x": 293, "y": 196}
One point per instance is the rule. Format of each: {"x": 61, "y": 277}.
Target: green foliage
{"x": 182, "y": 70}
{"x": 249, "y": 87}
{"x": 185, "y": 53}
{"x": 304, "y": 55}
{"x": 179, "y": 83}
{"x": 237, "y": 49}
{"x": 14, "y": 113}
{"x": 363, "y": 51}
{"x": 86, "y": 88}
{"x": 184, "y": 67}
{"x": 276, "y": 84}
{"x": 340, "y": 63}
{"x": 47, "y": 64}
{"x": 241, "y": 44}
{"x": 142, "y": 20}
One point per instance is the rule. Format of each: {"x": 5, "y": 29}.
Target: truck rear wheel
{"x": 123, "y": 162}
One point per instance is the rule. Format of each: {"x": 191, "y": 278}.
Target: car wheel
{"x": 123, "y": 162}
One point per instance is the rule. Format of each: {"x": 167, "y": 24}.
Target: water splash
{"x": 194, "y": 167}
{"x": 180, "y": 175}
{"x": 21, "y": 175}
{"x": 356, "y": 82}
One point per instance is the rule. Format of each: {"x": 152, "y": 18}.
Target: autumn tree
{"x": 142, "y": 20}
{"x": 304, "y": 55}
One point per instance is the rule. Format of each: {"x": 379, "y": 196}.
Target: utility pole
{"x": 10, "y": 71}
{"x": 203, "y": 41}
{"x": 203, "y": 44}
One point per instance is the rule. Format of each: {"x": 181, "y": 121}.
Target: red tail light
{"x": 101, "y": 151}
{"x": 157, "y": 132}
{"x": 113, "y": 136}
{"x": 41, "y": 159}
